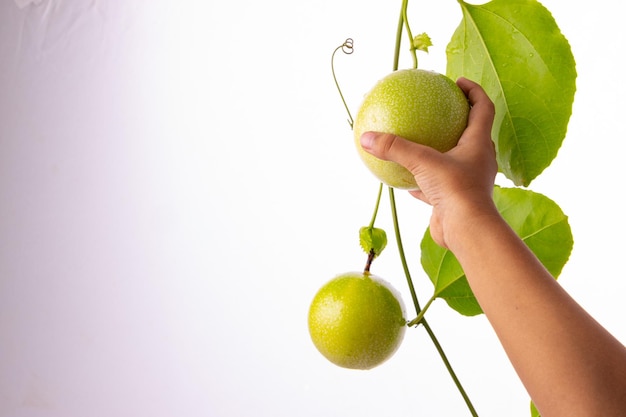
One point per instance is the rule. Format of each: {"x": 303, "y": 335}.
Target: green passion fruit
{"x": 419, "y": 105}
{"x": 356, "y": 320}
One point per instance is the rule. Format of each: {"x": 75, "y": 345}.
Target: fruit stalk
{"x": 380, "y": 193}
{"x": 370, "y": 259}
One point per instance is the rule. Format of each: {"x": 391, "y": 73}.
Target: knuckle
{"x": 389, "y": 144}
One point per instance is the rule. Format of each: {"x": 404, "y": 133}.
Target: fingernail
{"x": 367, "y": 140}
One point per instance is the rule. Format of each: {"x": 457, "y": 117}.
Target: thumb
{"x": 390, "y": 147}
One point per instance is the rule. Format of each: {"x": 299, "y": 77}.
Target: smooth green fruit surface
{"x": 356, "y": 320}
{"x": 423, "y": 106}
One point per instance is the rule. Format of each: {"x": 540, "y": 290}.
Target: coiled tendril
{"x": 347, "y": 47}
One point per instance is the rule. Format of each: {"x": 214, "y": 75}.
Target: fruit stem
{"x": 370, "y": 259}
{"x": 380, "y": 193}
{"x": 418, "y": 310}
{"x": 372, "y": 253}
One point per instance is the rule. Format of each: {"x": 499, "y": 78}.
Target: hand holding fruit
{"x": 457, "y": 183}
{"x": 422, "y": 106}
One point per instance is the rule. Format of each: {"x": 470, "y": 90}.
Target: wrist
{"x": 469, "y": 219}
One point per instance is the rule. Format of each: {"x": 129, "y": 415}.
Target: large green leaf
{"x": 515, "y": 50}
{"x": 448, "y": 277}
{"x": 536, "y": 219}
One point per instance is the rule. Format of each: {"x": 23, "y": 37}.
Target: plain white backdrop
{"x": 177, "y": 179}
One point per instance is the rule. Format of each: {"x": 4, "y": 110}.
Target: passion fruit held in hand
{"x": 356, "y": 320}
{"x": 422, "y": 106}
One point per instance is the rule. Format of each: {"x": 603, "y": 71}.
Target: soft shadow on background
{"x": 178, "y": 178}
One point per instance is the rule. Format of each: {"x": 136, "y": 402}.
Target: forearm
{"x": 569, "y": 364}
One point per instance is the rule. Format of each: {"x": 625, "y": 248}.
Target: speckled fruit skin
{"x": 356, "y": 320}
{"x": 423, "y": 106}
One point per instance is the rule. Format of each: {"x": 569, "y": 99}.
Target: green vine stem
{"x": 380, "y": 193}
{"x": 403, "y": 24}
{"x": 420, "y": 315}
{"x": 405, "y": 266}
{"x": 418, "y": 310}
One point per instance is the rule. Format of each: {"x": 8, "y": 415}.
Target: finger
{"x": 482, "y": 111}
{"x": 394, "y": 148}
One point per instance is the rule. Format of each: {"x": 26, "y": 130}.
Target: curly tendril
{"x": 347, "y": 47}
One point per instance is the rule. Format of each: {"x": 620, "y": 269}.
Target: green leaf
{"x": 372, "y": 239}
{"x": 516, "y": 51}
{"x": 448, "y": 277}
{"x": 536, "y": 219}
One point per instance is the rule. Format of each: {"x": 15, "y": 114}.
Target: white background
{"x": 177, "y": 179}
